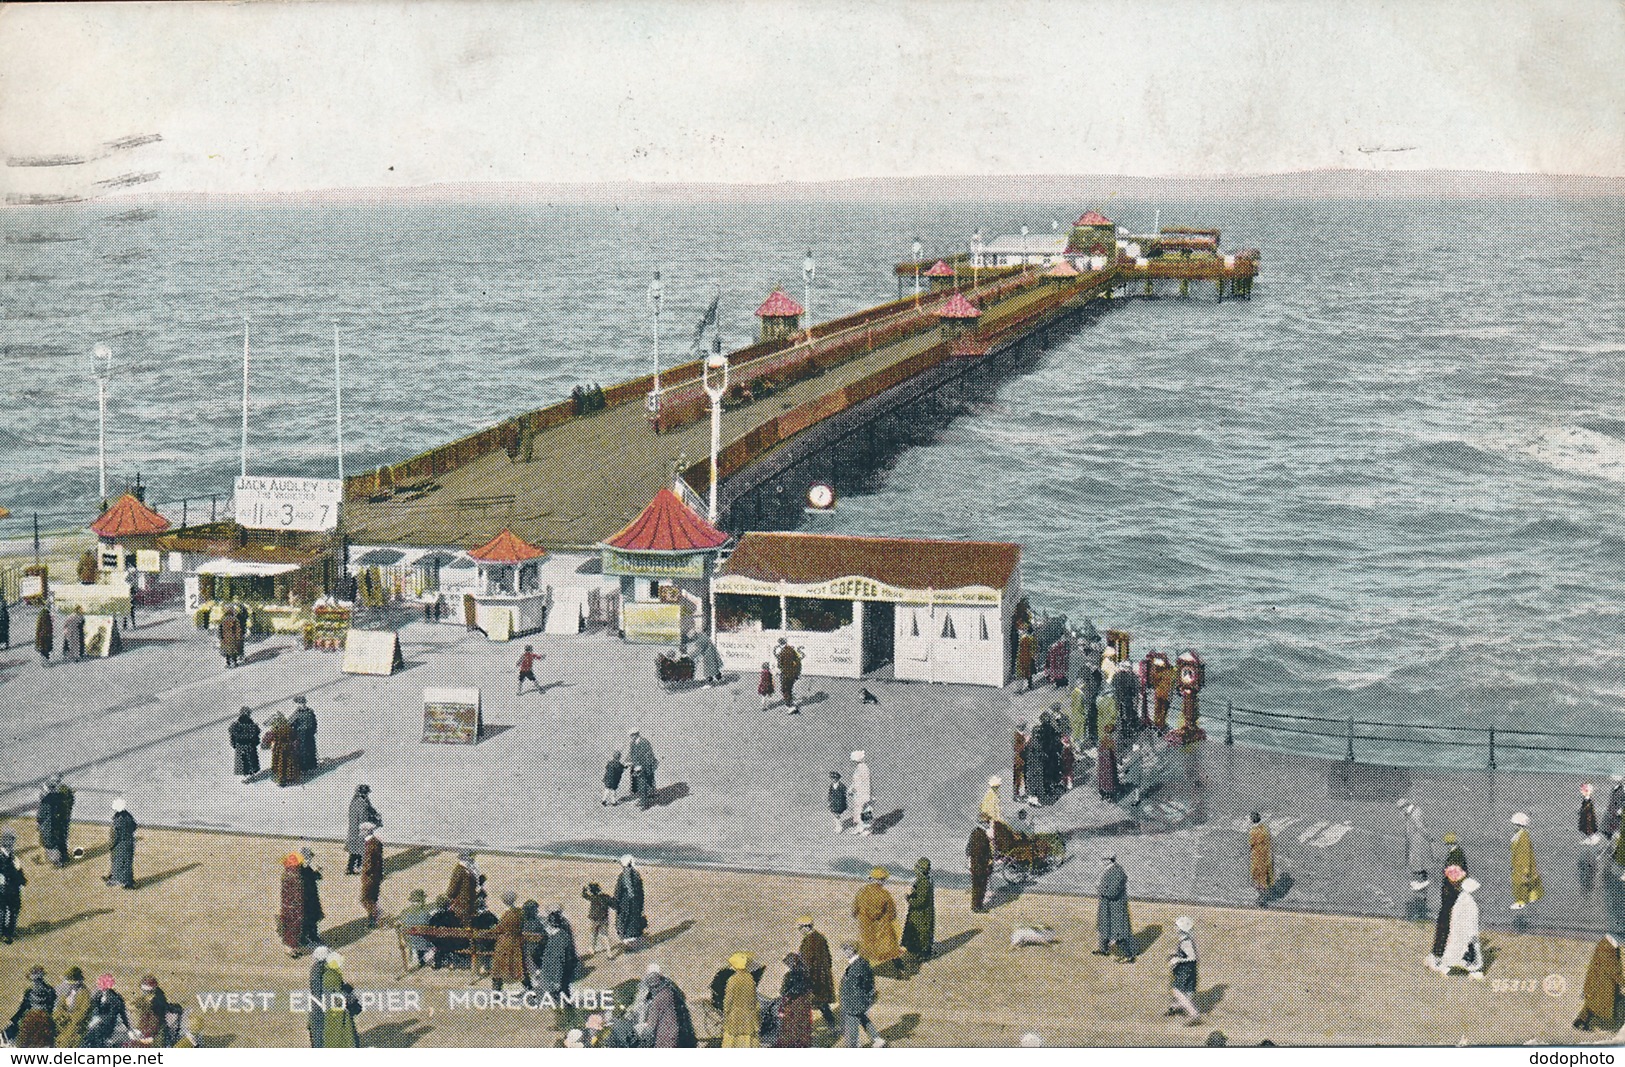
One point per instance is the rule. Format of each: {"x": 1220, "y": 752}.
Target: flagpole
{"x": 245, "y": 397}
{"x": 338, "y": 405}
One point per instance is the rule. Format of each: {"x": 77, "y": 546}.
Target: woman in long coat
{"x": 338, "y": 1029}
{"x": 121, "y": 841}
{"x": 1602, "y": 984}
{"x": 372, "y": 873}
{"x": 920, "y": 928}
{"x": 1262, "y": 852}
{"x": 1026, "y": 655}
{"x": 1111, "y": 912}
{"x": 741, "y": 1014}
{"x": 231, "y": 636}
{"x": 245, "y": 744}
{"x": 1106, "y": 763}
{"x": 291, "y": 909}
{"x": 44, "y": 633}
{"x": 559, "y": 960}
{"x": 1526, "y": 885}
{"x": 876, "y": 913}
{"x": 630, "y": 922}
{"x": 279, "y": 739}
{"x": 1463, "y": 940}
{"x": 508, "y": 958}
{"x": 1418, "y": 846}
{"x": 795, "y": 1006}
{"x": 72, "y": 1010}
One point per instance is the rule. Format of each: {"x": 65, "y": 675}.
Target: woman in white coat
{"x": 1462, "y": 948}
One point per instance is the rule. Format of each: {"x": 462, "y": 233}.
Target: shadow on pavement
{"x": 1207, "y": 1000}
{"x": 902, "y": 1028}
{"x": 263, "y": 655}
{"x": 346, "y": 934}
{"x": 491, "y": 730}
{"x": 46, "y": 926}
{"x": 326, "y": 766}
{"x": 1144, "y": 939}
{"x": 668, "y": 795}
{"x": 164, "y": 876}
{"x": 403, "y": 1034}
{"x": 885, "y": 822}
{"x": 667, "y": 934}
{"x": 958, "y": 941}
{"x": 406, "y": 859}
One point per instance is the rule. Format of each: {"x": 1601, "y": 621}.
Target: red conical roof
{"x": 959, "y": 308}
{"x": 940, "y": 269}
{"x": 668, "y": 525}
{"x": 129, "y": 516}
{"x": 1063, "y": 269}
{"x": 1092, "y": 218}
{"x": 505, "y": 547}
{"x": 779, "y": 306}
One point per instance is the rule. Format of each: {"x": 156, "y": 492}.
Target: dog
{"x": 869, "y": 698}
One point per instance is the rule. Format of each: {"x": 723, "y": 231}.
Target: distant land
{"x": 1314, "y": 184}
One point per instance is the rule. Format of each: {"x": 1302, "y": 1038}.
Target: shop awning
{"x": 434, "y": 559}
{"x": 381, "y": 557}
{"x": 245, "y": 568}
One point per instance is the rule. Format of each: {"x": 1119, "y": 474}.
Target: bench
{"x": 480, "y": 942}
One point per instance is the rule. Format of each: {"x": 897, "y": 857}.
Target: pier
{"x": 566, "y": 476}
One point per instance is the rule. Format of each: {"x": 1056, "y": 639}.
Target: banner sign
{"x": 310, "y": 504}
{"x": 451, "y": 716}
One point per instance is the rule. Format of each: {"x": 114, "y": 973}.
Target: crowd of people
{"x": 73, "y": 1015}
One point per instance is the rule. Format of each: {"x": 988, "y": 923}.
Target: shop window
{"x": 816, "y": 615}
{"x": 948, "y": 626}
{"x": 743, "y": 613}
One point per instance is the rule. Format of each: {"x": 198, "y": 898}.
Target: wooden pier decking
{"x": 568, "y": 480}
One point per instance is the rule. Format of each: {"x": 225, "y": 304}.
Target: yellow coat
{"x": 876, "y": 913}
{"x": 990, "y": 805}
{"x": 1526, "y": 887}
{"x": 70, "y": 1022}
{"x": 741, "y": 1018}
{"x": 1602, "y": 982}
{"x": 1263, "y": 859}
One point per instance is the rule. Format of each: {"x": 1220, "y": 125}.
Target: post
{"x": 36, "y": 539}
{"x": 211, "y": 507}
{"x": 716, "y": 393}
{"x": 917, "y": 250}
{"x": 104, "y": 367}
{"x": 1492, "y": 746}
{"x": 808, "y": 269}
{"x": 1348, "y": 757}
{"x": 338, "y": 409}
{"x": 183, "y": 514}
{"x": 1229, "y": 723}
{"x": 656, "y": 290}
{"x": 245, "y": 398}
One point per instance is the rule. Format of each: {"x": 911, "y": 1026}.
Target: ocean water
{"x": 1388, "y": 486}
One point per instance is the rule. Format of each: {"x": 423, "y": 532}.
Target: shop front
{"x": 664, "y": 559}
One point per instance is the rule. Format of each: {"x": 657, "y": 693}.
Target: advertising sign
{"x": 310, "y": 504}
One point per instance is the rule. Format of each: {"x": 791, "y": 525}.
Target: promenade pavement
{"x": 742, "y": 788}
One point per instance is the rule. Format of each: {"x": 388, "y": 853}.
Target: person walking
{"x": 121, "y": 847}
{"x": 1018, "y": 752}
{"x": 73, "y": 635}
{"x": 876, "y": 913}
{"x": 46, "y": 818}
{"x": 741, "y": 1017}
{"x": 707, "y": 662}
{"x": 814, "y": 953}
{"x": 979, "y": 852}
{"x": 316, "y": 1014}
{"x": 857, "y": 997}
{"x": 764, "y": 685}
{"x": 795, "y": 1006}
{"x": 338, "y": 1029}
{"x": 630, "y": 921}
{"x": 599, "y": 905}
{"x": 12, "y": 881}
{"x": 860, "y": 795}
{"x": 1182, "y": 979}
{"x": 311, "y": 877}
{"x": 44, "y": 634}
{"x": 527, "y": 669}
{"x": 836, "y": 801}
{"x": 245, "y": 745}
{"x": 1418, "y": 846}
{"x": 557, "y": 969}
{"x": 1106, "y": 778}
{"x": 372, "y": 872}
{"x": 1261, "y": 848}
{"x": 614, "y": 770}
{"x": 284, "y": 750}
{"x": 1462, "y": 948}
{"x": 1614, "y": 813}
{"x": 789, "y": 673}
{"x": 304, "y": 736}
{"x": 361, "y": 814}
{"x": 1026, "y": 658}
{"x": 641, "y": 755}
{"x": 1526, "y": 886}
{"x": 508, "y": 954}
{"x": 990, "y": 806}
{"x": 920, "y": 923}
{"x": 231, "y": 636}
{"x": 1602, "y": 985}
{"x": 1111, "y": 912}
{"x": 291, "y": 906}
{"x": 1588, "y": 812}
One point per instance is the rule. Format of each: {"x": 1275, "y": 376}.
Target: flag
{"x": 708, "y": 319}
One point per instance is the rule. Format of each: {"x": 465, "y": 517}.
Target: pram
{"x": 673, "y": 669}
{"x": 1020, "y": 857}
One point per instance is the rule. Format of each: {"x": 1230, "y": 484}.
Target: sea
{"x": 1387, "y": 487}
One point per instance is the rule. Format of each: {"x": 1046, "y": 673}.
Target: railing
{"x": 1358, "y": 736}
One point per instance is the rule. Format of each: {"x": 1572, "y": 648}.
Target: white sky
{"x": 288, "y": 96}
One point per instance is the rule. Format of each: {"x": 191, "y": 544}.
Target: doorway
{"x": 879, "y": 634}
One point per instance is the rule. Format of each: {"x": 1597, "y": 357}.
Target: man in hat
{"x": 1526, "y": 887}
{"x": 836, "y": 801}
{"x": 1182, "y": 980}
{"x": 304, "y": 735}
{"x": 789, "y": 672}
{"x": 857, "y": 997}
{"x": 462, "y": 891}
{"x": 1111, "y": 912}
{"x": 245, "y": 745}
{"x": 508, "y": 955}
{"x": 613, "y": 771}
{"x": 46, "y": 816}
{"x": 12, "y": 881}
{"x": 284, "y": 750}
{"x": 741, "y": 1016}
{"x": 417, "y": 913}
{"x": 372, "y": 872}
{"x": 814, "y": 953}
{"x": 361, "y": 811}
{"x": 979, "y": 851}
{"x": 630, "y": 920}
{"x": 231, "y": 636}
{"x": 72, "y": 1009}
{"x": 861, "y": 795}
{"x": 527, "y": 669}
{"x": 121, "y": 842}
{"x": 876, "y": 914}
{"x": 990, "y": 806}
{"x": 1418, "y": 846}
{"x": 310, "y": 876}
{"x": 44, "y": 631}
{"x": 641, "y": 755}
{"x": 33, "y": 1024}
{"x": 1261, "y": 847}
{"x": 1615, "y": 810}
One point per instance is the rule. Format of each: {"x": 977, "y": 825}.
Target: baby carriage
{"x": 673, "y": 669}
{"x": 1020, "y": 857}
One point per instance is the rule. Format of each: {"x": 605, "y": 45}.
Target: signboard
{"x": 451, "y": 716}
{"x": 372, "y": 652}
{"x": 33, "y": 585}
{"x": 101, "y": 636}
{"x": 148, "y": 560}
{"x": 658, "y": 623}
{"x": 642, "y": 565}
{"x": 310, "y": 504}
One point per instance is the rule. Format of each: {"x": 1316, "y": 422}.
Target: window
{"x": 817, "y": 615}
{"x": 737, "y": 612}
{"x": 948, "y": 626}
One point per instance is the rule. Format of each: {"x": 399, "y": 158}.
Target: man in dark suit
{"x": 857, "y": 997}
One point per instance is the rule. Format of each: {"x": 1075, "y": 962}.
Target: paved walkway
{"x": 743, "y": 788}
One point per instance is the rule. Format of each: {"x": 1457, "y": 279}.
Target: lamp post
{"x": 657, "y": 289}
{"x": 916, "y": 272}
{"x": 975, "y": 259}
{"x": 104, "y": 369}
{"x": 1024, "y": 248}
{"x": 717, "y": 364}
{"x": 808, "y": 269}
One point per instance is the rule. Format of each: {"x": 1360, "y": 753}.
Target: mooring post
{"x": 1184, "y": 287}
{"x": 1219, "y": 285}
{"x": 1149, "y": 291}
{"x": 1492, "y": 747}
{"x": 1229, "y": 723}
{"x": 1348, "y": 757}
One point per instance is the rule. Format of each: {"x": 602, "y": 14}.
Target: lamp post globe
{"x": 657, "y": 289}
{"x": 808, "y": 270}
{"x": 715, "y": 382}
